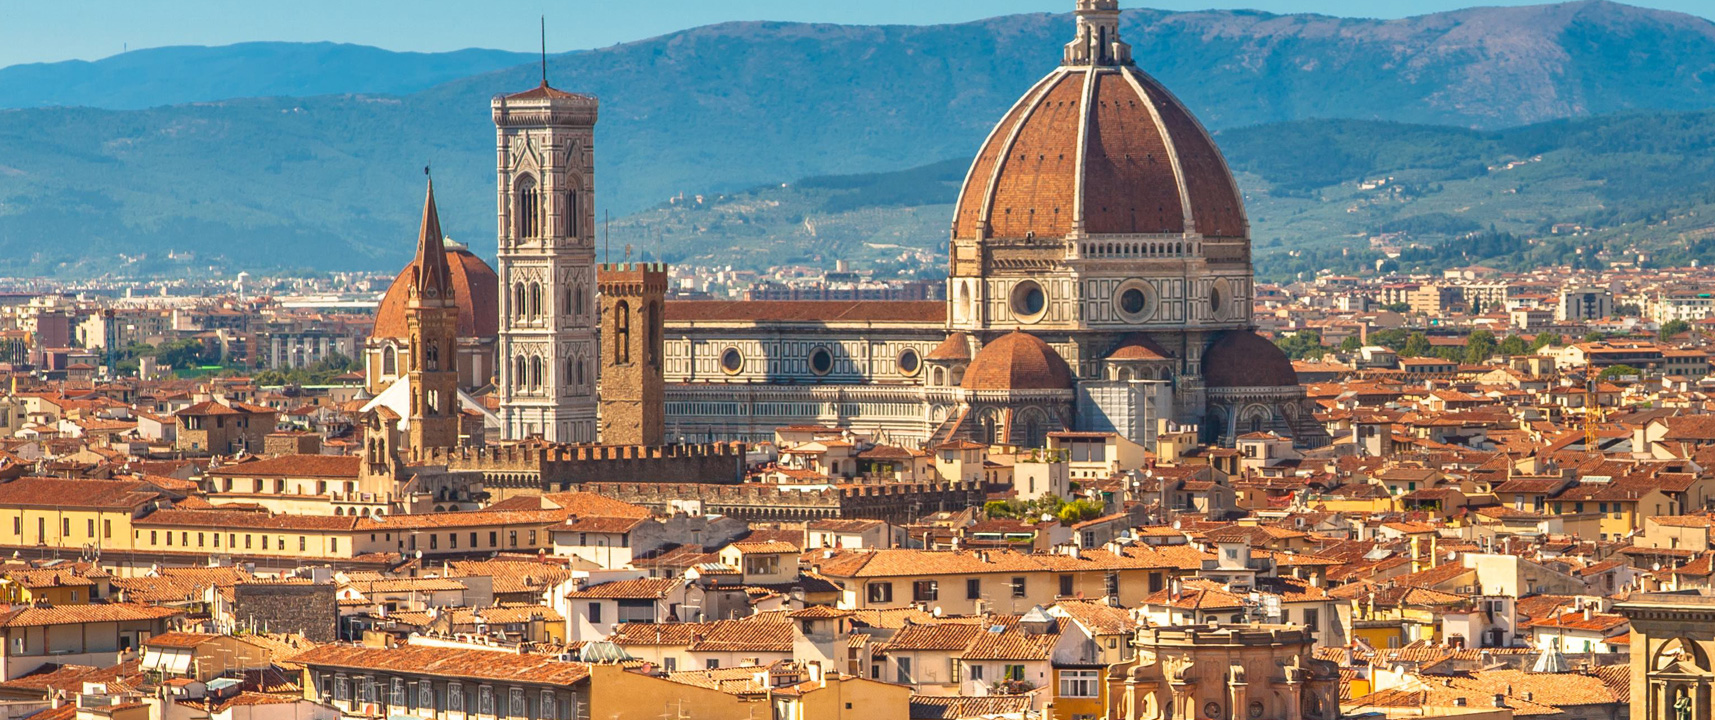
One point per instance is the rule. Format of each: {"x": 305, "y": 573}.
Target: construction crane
{"x": 1592, "y": 409}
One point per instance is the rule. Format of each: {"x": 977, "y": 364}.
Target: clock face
{"x": 1212, "y": 709}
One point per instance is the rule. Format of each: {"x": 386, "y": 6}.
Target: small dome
{"x": 475, "y": 286}
{"x": 1017, "y": 361}
{"x": 955, "y": 348}
{"x": 1244, "y": 359}
{"x": 1138, "y": 346}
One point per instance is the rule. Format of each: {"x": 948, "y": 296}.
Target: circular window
{"x": 1218, "y": 299}
{"x": 909, "y": 363}
{"x": 1029, "y": 301}
{"x": 732, "y": 361}
{"x": 1134, "y": 301}
{"x": 821, "y": 361}
{"x": 1256, "y": 709}
{"x": 1212, "y": 709}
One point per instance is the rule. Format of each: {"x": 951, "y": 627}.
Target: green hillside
{"x": 1318, "y": 191}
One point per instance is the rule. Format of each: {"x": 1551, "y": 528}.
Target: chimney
{"x": 1587, "y": 612}
{"x": 1500, "y": 700}
{"x": 1459, "y": 702}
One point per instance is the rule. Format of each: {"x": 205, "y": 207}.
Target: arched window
{"x": 520, "y": 371}
{"x": 389, "y": 361}
{"x": 529, "y": 208}
{"x": 535, "y": 373}
{"x": 652, "y": 332}
{"x": 622, "y": 333}
{"x": 572, "y": 372}
{"x": 535, "y": 299}
{"x": 578, "y": 300}
{"x": 1256, "y": 423}
{"x": 431, "y": 357}
{"x": 566, "y": 304}
{"x": 583, "y": 364}
{"x": 518, "y": 299}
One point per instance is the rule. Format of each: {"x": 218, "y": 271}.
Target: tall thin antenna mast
{"x": 544, "y": 51}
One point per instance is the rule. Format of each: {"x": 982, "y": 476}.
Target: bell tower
{"x": 431, "y": 318}
{"x": 545, "y": 171}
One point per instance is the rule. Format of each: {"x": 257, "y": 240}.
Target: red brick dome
{"x": 1244, "y": 359}
{"x": 1102, "y": 145}
{"x": 475, "y": 285}
{"x": 1017, "y": 361}
{"x": 1138, "y": 346}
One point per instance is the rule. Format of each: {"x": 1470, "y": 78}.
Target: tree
{"x": 1615, "y": 371}
{"x": 1514, "y": 345}
{"x": 1546, "y": 339}
{"x": 1674, "y": 327}
{"x": 1078, "y": 511}
{"x": 1351, "y": 344}
{"x": 1479, "y": 347}
{"x": 1302, "y": 345}
{"x": 1397, "y": 307}
{"x": 1415, "y": 346}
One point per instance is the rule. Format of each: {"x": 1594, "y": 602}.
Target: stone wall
{"x": 564, "y": 467}
{"x": 308, "y": 608}
{"x": 898, "y": 503}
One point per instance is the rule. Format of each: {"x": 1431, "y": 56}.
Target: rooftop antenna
{"x": 544, "y": 51}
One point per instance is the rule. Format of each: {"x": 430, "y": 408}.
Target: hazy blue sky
{"x": 53, "y": 30}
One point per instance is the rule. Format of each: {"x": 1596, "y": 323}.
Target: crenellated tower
{"x": 545, "y": 167}
{"x": 633, "y": 299}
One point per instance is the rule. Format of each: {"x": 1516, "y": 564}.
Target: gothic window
{"x": 621, "y": 333}
{"x": 566, "y": 306}
{"x": 578, "y": 300}
{"x": 574, "y": 214}
{"x": 389, "y": 361}
{"x": 520, "y": 371}
{"x": 529, "y": 208}
{"x": 572, "y": 372}
{"x": 535, "y": 373}
{"x": 431, "y": 357}
{"x": 518, "y": 299}
{"x": 535, "y": 299}
{"x": 434, "y": 404}
{"x": 582, "y": 363}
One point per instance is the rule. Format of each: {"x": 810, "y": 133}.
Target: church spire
{"x": 1098, "y": 41}
{"x": 434, "y": 278}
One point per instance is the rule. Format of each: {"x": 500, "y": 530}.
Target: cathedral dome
{"x": 1244, "y": 359}
{"x": 1098, "y": 147}
{"x": 1017, "y": 361}
{"x": 475, "y": 285}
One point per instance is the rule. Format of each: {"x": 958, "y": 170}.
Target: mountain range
{"x": 277, "y": 155}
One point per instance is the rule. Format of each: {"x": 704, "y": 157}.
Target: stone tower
{"x": 546, "y": 197}
{"x": 633, "y": 298}
{"x": 431, "y": 319}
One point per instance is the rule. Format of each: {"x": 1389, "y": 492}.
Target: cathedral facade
{"x": 1099, "y": 280}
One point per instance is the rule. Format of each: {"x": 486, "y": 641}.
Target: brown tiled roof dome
{"x": 1138, "y": 346}
{"x": 1242, "y": 358}
{"x": 1101, "y": 142}
{"x": 956, "y": 347}
{"x": 475, "y": 285}
{"x": 1017, "y": 361}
